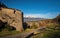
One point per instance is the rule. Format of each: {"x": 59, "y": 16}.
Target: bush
{"x": 34, "y": 26}
{"x": 10, "y": 28}
{"x": 52, "y": 25}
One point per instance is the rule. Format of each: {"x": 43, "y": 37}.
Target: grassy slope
{"x": 6, "y": 33}
{"x": 49, "y": 33}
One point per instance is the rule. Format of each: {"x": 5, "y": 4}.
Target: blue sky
{"x": 36, "y": 8}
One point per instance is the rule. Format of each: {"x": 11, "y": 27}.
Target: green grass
{"x": 6, "y": 33}
{"x": 8, "y": 30}
{"x": 48, "y": 34}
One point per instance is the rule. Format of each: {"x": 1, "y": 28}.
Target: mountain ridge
{"x": 32, "y": 19}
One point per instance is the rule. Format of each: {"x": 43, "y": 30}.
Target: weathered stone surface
{"x": 13, "y": 17}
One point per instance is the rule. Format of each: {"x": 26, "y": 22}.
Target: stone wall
{"x": 13, "y": 17}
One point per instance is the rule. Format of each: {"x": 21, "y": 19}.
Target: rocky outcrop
{"x": 13, "y": 17}
{"x": 57, "y": 19}
{"x": 2, "y": 5}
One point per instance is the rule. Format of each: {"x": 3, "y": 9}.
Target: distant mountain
{"x": 32, "y": 19}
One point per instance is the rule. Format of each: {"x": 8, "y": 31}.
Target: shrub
{"x": 52, "y": 25}
{"x": 34, "y": 26}
{"x": 10, "y": 28}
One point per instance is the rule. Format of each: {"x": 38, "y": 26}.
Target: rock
{"x": 2, "y": 5}
{"x": 57, "y": 19}
{"x": 13, "y": 17}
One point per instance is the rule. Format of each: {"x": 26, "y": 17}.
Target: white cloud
{"x": 46, "y": 15}
{"x": 37, "y": 15}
